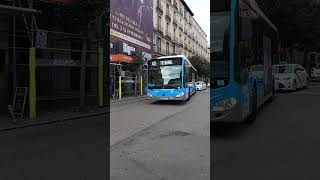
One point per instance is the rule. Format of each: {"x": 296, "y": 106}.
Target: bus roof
{"x": 178, "y": 56}
{"x": 255, "y": 6}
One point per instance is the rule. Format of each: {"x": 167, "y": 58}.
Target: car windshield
{"x": 283, "y": 69}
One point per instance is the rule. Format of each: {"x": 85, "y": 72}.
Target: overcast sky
{"x": 201, "y": 11}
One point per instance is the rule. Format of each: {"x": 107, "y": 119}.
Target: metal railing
{"x": 175, "y": 4}
{"x": 168, "y": 15}
{"x": 159, "y": 28}
{"x": 168, "y": 35}
{"x": 159, "y": 7}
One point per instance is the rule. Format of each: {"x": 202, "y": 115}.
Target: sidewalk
{"x": 50, "y": 116}
{"x": 127, "y": 99}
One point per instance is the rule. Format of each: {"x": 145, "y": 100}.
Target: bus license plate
{"x": 164, "y": 98}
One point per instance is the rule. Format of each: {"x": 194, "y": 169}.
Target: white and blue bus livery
{"x": 244, "y": 45}
{"x": 170, "y": 78}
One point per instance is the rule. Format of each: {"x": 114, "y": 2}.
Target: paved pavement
{"x": 283, "y": 144}
{"x": 51, "y": 115}
{"x": 168, "y": 140}
{"x": 73, "y": 150}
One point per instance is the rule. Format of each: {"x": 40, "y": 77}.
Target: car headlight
{"x": 180, "y": 95}
{"x": 225, "y": 105}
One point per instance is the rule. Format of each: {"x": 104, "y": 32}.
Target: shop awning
{"x": 122, "y": 58}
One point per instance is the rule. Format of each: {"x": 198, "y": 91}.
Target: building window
{"x": 158, "y": 44}
{"x": 167, "y": 48}
{"x": 159, "y": 23}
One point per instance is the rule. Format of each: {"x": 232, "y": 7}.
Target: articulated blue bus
{"x": 244, "y": 45}
{"x": 170, "y": 78}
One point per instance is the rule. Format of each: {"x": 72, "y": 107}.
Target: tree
{"x": 297, "y": 21}
{"x": 136, "y": 65}
{"x": 202, "y": 66}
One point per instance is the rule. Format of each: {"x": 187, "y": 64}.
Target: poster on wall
{"x": 131, "y": 21}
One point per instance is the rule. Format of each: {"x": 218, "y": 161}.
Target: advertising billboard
{"x": 131, "y": 21}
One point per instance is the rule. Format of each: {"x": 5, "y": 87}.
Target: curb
{"x": 13, "y": 127}
{"x": 128, "y": 100}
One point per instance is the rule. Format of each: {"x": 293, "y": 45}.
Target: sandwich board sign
{"x": 19, "y": 102}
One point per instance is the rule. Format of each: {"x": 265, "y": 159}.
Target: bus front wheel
{"x": 188, "y": 98}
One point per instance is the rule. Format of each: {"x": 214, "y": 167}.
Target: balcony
{"x": 159, "y": 52}
{"x": 168, "y": 15}
{"x": 159, "y": 7}
{"x": 159, "y": 29}
{"x": 185, "y": 31}
{"x": 181, "y": 26}
{"x": 175, "y": 21}
{"x": 175, "y": 5}
{"x": 180, "y": 43}
{"x": 168, "y": 35}
{"x": 181, "y": 12}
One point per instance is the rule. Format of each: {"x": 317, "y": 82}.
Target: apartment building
{"x": 176, "y": 31}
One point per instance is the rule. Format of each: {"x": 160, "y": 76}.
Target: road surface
{"x": 283, "y": 143}
{"x": 161, "y": 140}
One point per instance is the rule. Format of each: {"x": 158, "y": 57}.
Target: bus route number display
{"x": 167, "y": 62}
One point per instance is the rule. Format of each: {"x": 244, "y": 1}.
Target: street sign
{"x": 41, "y": 39}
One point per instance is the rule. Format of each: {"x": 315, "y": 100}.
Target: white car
{"x": 201, "y": 86}
{"x": 290, "y": 77}
{"x": 315, "y": 73}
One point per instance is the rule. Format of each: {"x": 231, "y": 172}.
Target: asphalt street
{"x": 73, "y": 150}
{"x": 167, "y": 140}
{"x": 283, "y": 143}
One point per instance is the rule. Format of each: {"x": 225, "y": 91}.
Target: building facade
{"x": 176, "y": 31}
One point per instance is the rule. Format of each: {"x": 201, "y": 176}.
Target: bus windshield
{"x": 220, "y": 48}
{"x": 165, "y": 74}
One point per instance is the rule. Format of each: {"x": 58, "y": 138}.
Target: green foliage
{"x": 138, "y": 62}
{"x": 297, "y": 21}
{"x": 202, "y": 66}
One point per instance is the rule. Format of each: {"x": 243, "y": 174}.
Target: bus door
{"x": 193, "y": 81}
{"x": 267, "y": 65}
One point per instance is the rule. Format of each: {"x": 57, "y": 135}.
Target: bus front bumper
{"x": 166, "y": 98}
{"x": 232, "y": 116}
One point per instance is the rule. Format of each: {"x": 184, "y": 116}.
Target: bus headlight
{"x": 225, "y": 105}
{"x": 150, "y": 95}
{"x": 180, "y": 95}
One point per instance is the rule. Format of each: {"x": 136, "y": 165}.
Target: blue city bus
{"x": 170, "y": 78}
{"x": 244, "y": 46}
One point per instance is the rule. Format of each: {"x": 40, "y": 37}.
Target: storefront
{"x": 67, "y": 62}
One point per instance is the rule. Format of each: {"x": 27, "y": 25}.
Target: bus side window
{"x": 186, "y": 75}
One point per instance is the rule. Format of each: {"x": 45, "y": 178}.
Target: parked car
{"x": 201, "y": 86}
{"x": 290, "y": 77}
{"x": 315, "y": 73}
